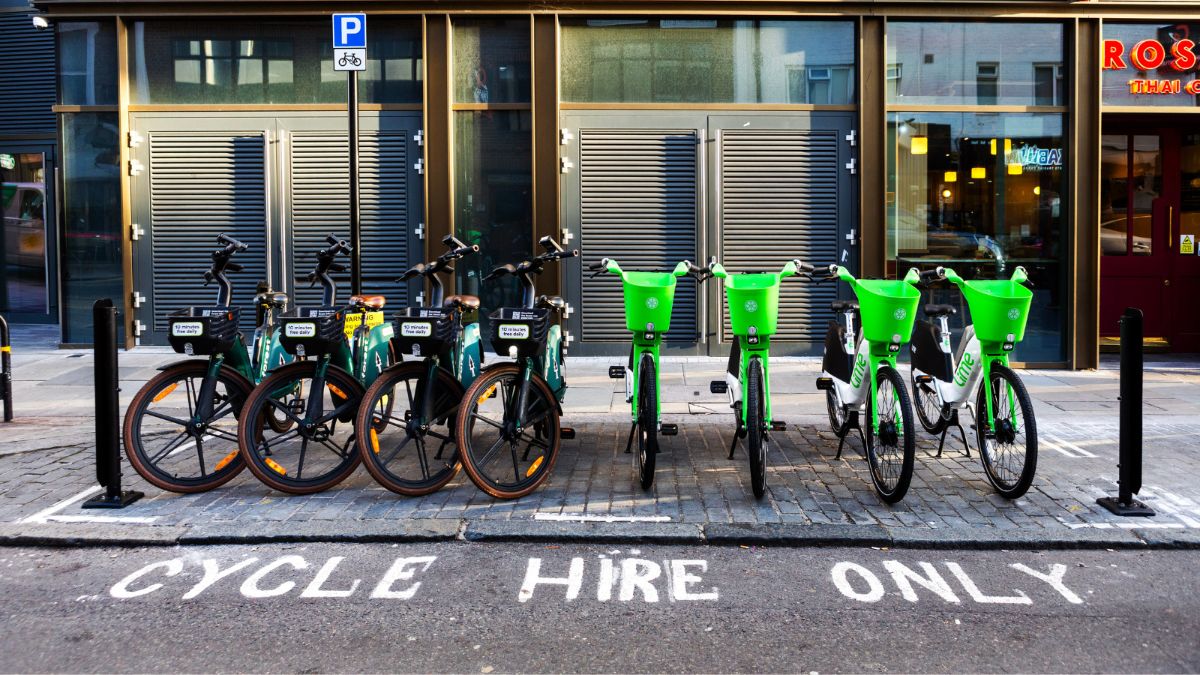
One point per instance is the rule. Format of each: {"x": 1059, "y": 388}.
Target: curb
{"x": 485, "y": 531}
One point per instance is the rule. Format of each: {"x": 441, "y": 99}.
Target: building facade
{"x": 1058, "y": 136}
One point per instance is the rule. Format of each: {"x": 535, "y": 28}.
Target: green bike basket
{"x": 998, "y": 309}
{"x": 648, "y": 300}
{"x": 753, "y": 302}
{"x": 888, "y": 308}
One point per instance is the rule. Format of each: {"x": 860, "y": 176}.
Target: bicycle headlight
{"x": 512, "y": 351}
{"x": 649, "y": 326}
{"x": 753, "y": 330}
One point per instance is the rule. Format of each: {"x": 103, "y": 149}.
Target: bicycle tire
{"x": 891, "y": 488}
{"x": 756, "y": 444}
{"x": 159, "y": 389}
{"x": 435, "y": 473}
{"x": 647, "y": 432}
{"x": 924, "y": 397}
{"x": 498, "y": 382}
{"x": 273, "y": 466}
{"x": 837, "y": 413}
{"x": 996, "y": 469}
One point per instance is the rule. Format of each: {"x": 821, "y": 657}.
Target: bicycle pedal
{"x": 778, "y": 426}
{"x": 669, "y": 430}
{"x": 718, "y": 387}
{"x": 566, "y": 433}
{"x": 616, "y": 372}
{"x": 824, "y": 383}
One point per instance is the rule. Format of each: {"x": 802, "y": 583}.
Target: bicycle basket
{"x": 888, "y": 308}
{"x": 999, "y": 309}
{"x": 753, "y": 301}
{"x": 309, "y": 331}
{"x": 203, "y": 330}
{"x": 648, "y": 300}
{"x": 422, "y": 331}
{"x": 519, "y": 328}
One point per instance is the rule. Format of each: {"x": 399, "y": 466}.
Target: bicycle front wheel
{"x": 647, "y": 422}
{"x": 501, "y": 459}
{"x": 403, "y": 451}
{"x": 173, "y": 446}
{"x": 756, "y": 422}
{"x": 313, "y": 454}
{"x": 1008, "y": 445}
{"x": 890, "y": 450}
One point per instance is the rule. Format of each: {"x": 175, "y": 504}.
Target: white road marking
{"x": 1072, "y": 446}
{"x": 41, "y": 516}
{"x": 573, "y": 518}
{"x": 133, "y": 520}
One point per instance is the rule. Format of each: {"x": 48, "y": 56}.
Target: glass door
{"x": 27, "y": 245}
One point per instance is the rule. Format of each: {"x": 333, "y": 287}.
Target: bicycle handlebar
{"x": 936, "y": 274}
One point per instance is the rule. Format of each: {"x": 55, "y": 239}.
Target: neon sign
{"x": 1173, "y": 53}
{"x": 1032, "y": 155}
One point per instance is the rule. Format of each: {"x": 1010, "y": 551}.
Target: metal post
{"x": 1129, "y": 465}
{"x": 6, "y": 370}
{"x": 108, "y": 461}
{"x": 355, "y": 239}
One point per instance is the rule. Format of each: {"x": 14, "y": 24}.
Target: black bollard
{"x": 6, "y": 370}
{"x": 108, "y": 411}
{"x": 1129, "y": 462}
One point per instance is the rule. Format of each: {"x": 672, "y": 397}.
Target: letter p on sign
{"x": 349, "y": 31}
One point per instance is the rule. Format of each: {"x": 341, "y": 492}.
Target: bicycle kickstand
{"x": 629, "y": 443}
{"x": 733, "y": 446}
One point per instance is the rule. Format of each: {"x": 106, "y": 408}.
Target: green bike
{"x": 649, "y": 297}
{"x": 342, "y": 350}
{"x": 180, "y": 430}
{"x": 753, "y": 303}
{"x": 862, "y": 371}
{"x": 943, "y": 380}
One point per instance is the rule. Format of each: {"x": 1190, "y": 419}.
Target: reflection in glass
{"x": 23, "y": 247}
{"x": 272, "y": 62}
{"x": 1114, "y": 83}
{"x": 708, "y": 61}
{"x": 961, "y": 63}
{"x": 985, "y": 195}
{"x": 493, "y": 199}
{"x": 1189, "y": 201}
{"x": 87, "y": 63}
{"x": 91, "y": 220}
{"x": 1114, "y": 194}
{"x": 1146, "y": 176}
{"x": 491, "y": 61}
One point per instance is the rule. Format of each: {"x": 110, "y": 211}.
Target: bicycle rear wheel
{"x": 929, "y": 407}
{"x": 756, "y": 422}
{"x": 891, "y": 450}
{"x": 170, "y": 450}
{"x": 500, "y": 459}
{"x": 396, "y": 449}
{"x": 647, "y": 431}
{"x": 313, "y": 454}
{"x": 1009, "y": 450}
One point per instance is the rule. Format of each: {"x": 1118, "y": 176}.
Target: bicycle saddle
{"x": 552, "y": 302}
{"x": 271, "y": 299}
{"x": 467, "y": 303}
{"x": 940, "y": 310}
{"x": 843, "y": 305}
{"x": 368, "y": 301}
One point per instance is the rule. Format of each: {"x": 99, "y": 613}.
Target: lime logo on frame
{"x": 751, "y": 306}
{"x": 651, "y": 303}
{"x": 900, "y": 313}
{"x": 1014, "y": 314}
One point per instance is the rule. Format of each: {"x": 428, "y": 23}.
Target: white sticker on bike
{"x": 416, "y": 329}
{"x": 300, "y": 330}
{"x": 187, "y": 329}
{"x": 513, "y": 332}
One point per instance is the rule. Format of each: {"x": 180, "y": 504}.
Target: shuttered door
{"x": 319, "y": 205}
{"x": 200, "y": 186}
{"x": 779, "y": 197}
{"x": 638, "y": 205}
{"x": 26, "y": 76}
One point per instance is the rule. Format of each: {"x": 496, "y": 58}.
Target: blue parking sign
{"x": 349, "y": 31}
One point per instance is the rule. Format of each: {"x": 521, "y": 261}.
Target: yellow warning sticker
{"x": 355, "y": 319}
{"x": 1187, "y": 244}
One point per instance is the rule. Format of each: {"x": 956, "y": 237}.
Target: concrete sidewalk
{"x": 46, "y": 468}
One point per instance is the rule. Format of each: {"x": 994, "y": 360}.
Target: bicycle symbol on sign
{"x": 349, "y": 59}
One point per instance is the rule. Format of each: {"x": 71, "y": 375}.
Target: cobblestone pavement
{"x": 46, "y": 468}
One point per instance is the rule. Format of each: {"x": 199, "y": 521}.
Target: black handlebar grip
{"x": 933, "y": 274}
{"x": 226, "y": 239}
{"x": 598, "y": 265}
{"x": 803, "y": 266}
{"x": 694, "y": 269}
{"x": 550, "y": 245}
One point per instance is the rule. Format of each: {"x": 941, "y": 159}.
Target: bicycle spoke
{"x": 189, "y": 388}
{"x": 392, "y": 454}
{"x": 171, "y": 447}
{"x": 516, "y": 469}
{"x": 200, "y": 455}
{"x": 300, "y": 463}
{"x": 486, "y": 420}
{"x": 168, "y": 418}
{"x": 490, "y": 453}
{"x": 533, "y": 441}
{"x": 422, "y": 459}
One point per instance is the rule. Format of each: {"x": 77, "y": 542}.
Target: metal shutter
{"x": 26, "y": 76}
{"x": 638, "y": 205}
{"x": 779, "y": 193}
{"x": 200, "y": 186}
{"x": 319, "y": 205}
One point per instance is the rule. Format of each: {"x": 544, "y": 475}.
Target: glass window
{"x": 491, "y": 61}
{"x": 708, "y": 61}
{"x": 23, "y": 249}
{"x": 91, "y": 219}
{"x": 1149, "y": 79}
{"x": 970, "y": 63}
{"x": 268, "y": 62}
{"x": 87, "y": 63}
{"x": 983, "y": 193}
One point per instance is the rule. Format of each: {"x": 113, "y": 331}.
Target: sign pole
{"x": 355, "y": 229}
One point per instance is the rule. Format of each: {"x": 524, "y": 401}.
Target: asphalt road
{"x": 479, "y": 608}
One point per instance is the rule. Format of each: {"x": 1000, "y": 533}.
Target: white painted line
{"x": 573, "y": 518}
{"x": 1072, "y": 446}
{"x": 41, "y": 516}
{"x": 133, "y": 520}
{"x": 1048, "y": 444}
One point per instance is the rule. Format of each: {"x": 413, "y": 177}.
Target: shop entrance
{"x": 27, "y": 250}
{"x": 1149, "y": 225}
{"x": 651, "y": 188}
{"x": 280, "y": 184}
